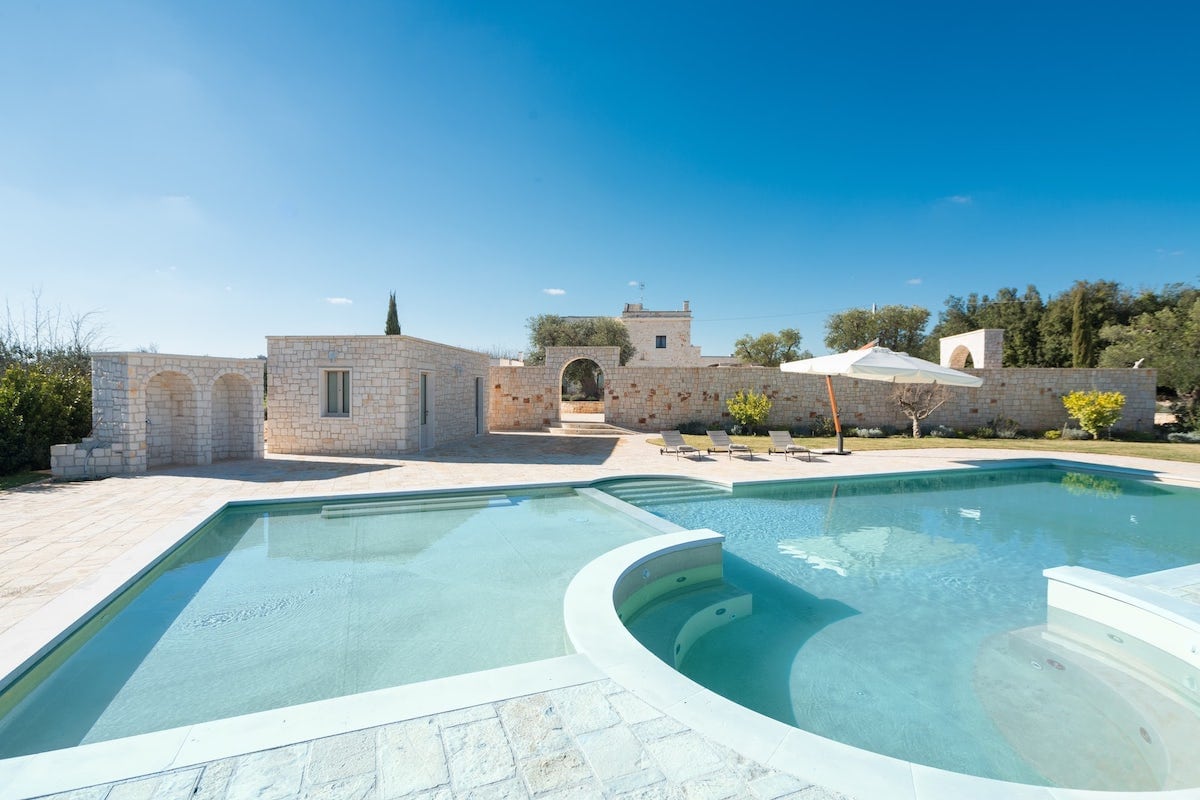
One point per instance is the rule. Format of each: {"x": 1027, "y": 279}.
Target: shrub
{"x": 1075, "y": 434}
{"x": 1004, "y": 427}
{"x": 984, "y": 432}
{"x": 823, "y": 426}
{"x": 1054, "y": 434}
{"x": 1095, "y": 410}
{"x": 39, "y": 408}
{"x": 1185, "y": 437}
{"x": 799, "y": 430}
{"x": 749, "y": 408}
{"x": 943, "y": 432}
{"x": 693, "y": 428}
{"x": 869, "y": 433}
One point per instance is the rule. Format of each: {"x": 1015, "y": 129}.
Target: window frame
{"x": 660, "y": 342}
{"x": 344, "y": 392}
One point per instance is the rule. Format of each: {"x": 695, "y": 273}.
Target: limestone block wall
{"x": 656, "y": 398}
{"x": 153, "y": 409}
{"x": 385, "y": 374}
{"x": 644, "y": 330}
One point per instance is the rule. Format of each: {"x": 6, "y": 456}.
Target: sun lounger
{"x": 722, "y": 444}
{"x": 675, "y": 444}
{"x": 782, "y": 442}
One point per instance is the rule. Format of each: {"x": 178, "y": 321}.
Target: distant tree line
{"x": 45, "y": 383}
{"x": 1092, "y": 324}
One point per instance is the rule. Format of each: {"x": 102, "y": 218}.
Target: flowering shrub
{"x": 1095, "y": 410}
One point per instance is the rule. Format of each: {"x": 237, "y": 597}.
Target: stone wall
{"x": 385, "y": 374}
{"x": 646, "y": 326}
{"x": 657, "y": 398}
{"x": 150, "y": 409}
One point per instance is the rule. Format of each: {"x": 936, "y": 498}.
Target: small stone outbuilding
{"x": 371, "y": 395}
{"x": 151, "y": 410}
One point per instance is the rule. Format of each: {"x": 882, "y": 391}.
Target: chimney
{"x": 686, "y": 304}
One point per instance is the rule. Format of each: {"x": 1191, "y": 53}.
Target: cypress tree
{"x": 1081, "y": 332}
{"x": 392, "y": 326}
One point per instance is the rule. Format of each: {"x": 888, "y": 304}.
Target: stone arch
{"x": 172, "y": 419}
{"x": 558, "y": 359}
{"x": 984, "y": 347}
{"x": 960, "y": 356}
{"x": 234, "y": 406}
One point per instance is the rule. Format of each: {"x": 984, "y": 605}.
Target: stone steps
{"x": 568, "y": 428}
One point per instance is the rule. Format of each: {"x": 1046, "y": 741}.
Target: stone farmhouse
{"x": 388, "y": 395}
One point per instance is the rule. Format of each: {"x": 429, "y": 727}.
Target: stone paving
{"x": 590, "y": 741}
{"x": 593, "y": 740}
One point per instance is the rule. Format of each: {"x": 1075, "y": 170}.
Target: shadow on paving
{"x": 274, "y": 470}
{"x": 523, "y": 448}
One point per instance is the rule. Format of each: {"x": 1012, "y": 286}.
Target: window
{"x": 335, "y": 400}
{"x": 660, "y": 342}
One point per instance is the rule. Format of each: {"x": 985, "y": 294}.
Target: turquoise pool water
{"x": 901, "y": 615}
{"x": 273, "y": 605}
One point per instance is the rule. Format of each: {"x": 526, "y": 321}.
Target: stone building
{"x": 371, "y": 395}
{"x": 151, "y": 409}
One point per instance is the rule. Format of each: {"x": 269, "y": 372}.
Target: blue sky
{"x": 202, "y": 175}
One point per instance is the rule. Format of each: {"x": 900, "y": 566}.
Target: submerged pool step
{"x": 413, "y": 505}
{"x": 671, "y": 625}
{"x": 649, "y": 492}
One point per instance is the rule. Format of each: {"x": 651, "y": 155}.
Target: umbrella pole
{"x": 837, "y": 423}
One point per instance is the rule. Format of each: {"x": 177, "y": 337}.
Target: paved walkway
{"x": 591, "y": 740}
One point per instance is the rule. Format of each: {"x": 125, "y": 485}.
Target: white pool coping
{"x": 597, "y": 632}
{"x": 603, "y": 651}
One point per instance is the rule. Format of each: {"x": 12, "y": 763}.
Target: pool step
{"x": 569, "y": 428}
{"x": 649, "y": 492}
{"x": 671, "y": 625}
{"x": 413, "y": 505}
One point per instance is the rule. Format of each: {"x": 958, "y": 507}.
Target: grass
{"x": 21, "y": 478}
{"x": 1166, "y": 451}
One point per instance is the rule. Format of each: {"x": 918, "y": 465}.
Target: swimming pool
{"x": 907, "y": 616}
{"x": 274, "y": 605}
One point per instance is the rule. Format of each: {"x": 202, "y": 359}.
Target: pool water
{"x": 900, "y": 615}
{"x": 273, "y": 605}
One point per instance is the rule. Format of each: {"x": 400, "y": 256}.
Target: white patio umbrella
{"x": 877, "y": 364}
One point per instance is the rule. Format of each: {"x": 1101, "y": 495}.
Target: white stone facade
{"x": 151, "y": 410}
{"x": 660, "y": 398}
{"x": 405, "y": 394}
{"x": 985, "y": 347}
{"x": 661, "y": 338}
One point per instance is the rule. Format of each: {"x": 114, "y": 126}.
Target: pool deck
{"x": 556, "y": 730}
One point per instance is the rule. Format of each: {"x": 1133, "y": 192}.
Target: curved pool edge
{"x": 596, "y": 631}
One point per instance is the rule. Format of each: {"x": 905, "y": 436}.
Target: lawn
{"x": 21, "y": 478}
{"x": 1167, "y": 451}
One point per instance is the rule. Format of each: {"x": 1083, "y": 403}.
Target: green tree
{"x": 1167, "y": 340}
{"x": 1018, "y": 315}
{"x": 900, "y": 328}
{"x": 392, "y": 326}
{"x": 551, "y": 330}
{"x": 749, "y": 408}
{"x": 40, "y": 407}
{"x": 770, "y": 349}
{"x": 1095, "y": 410}
{"x": 1072, "y": 321}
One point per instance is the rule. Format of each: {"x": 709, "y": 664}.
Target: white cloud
{"x": 913, "y": 281}
{"x": 167, "y": 271}
{"x": 960, "y": 199}
{"x": 1164, "y": 252}
{"x": 554, "y": 292}
{"x": 180, "y": 209}
{"x": 635, "y": 283}
{"x": 339, "y": 301}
